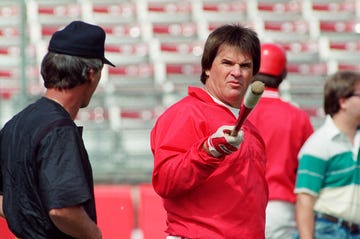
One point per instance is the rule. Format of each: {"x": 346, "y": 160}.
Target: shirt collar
{"x": 271, "y": 93}
{"x": 331, "y": 128}
{"x": 235, "y": 111}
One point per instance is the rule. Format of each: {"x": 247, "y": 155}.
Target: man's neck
{"x": 346, "y": 124}
{"x": 67, "y": 99}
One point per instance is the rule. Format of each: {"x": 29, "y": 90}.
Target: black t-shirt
{"x": 44, "y": 165}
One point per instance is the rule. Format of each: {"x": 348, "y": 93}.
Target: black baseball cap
{"x": 80, "y": 39}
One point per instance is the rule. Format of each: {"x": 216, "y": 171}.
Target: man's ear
{"x": 91, "y": 74}
{"x": 342, "y": 102}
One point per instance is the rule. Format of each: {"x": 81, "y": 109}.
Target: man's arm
{"x": 75, "y": 222}
{"x": 305, "y": 215}
{"x": 1, "y": 206}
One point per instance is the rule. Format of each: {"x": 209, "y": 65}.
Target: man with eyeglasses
{"x": 328, "y": 179}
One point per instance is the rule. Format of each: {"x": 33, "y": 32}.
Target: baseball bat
{"x": 252, "y": 96}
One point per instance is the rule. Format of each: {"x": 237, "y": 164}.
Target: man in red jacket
{"x": 284, "y": 128}
{"x": 213, "y": 184}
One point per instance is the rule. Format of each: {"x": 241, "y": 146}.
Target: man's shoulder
{"x": 35, "y": 116}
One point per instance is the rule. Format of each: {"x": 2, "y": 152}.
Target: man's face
{"x": 229, "y": 76}
{"x": 352, "y": 104}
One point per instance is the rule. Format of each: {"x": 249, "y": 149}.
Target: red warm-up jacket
{"x": 284, "y": 128}
{"x": 207, "y": 197}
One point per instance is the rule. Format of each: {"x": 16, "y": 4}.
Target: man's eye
{"x": 227, "y": 63}
{"x": 247, "y": 65}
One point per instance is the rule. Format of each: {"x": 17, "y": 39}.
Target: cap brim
{"x": 106, "y": 61}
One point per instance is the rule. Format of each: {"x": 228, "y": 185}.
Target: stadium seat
{"x": 304, "y": 83}
{"x": 183, "y": 74}
{"x": 175, "y": 78}
{"x": 276, "y": 10}
{"x": 10, "y": 35}
{"x": 9, "y": 77}
{"x": 132, "y": 76}
{"x": 316, "y": 68}
{"x": 165, "y": 11}
{"x": 54, "y": 12}
{"x": 103, "y": 12}
{"x": 301, "y": 50}
{"x": 10, "y": 13}
{"x": 330, "y": 10}
{"x": 40, "y": 34}
{"x": 151, "y": 213}
{"x": 5, "y": 232}
{"x": 115, "y": 211}
{"x": 340, "y": 50}
{"x": 128, "y": 53}
{"x": 348, "y": 66}
{"x": 220, "y": 11}
{"x": 174, "y": 31}
{"x": 339, "y": 29}
{"x": 117, "y": 33}
{"x": 180, "y": 52}
{"x": 289, "y": 30}
{"x": 212, "y": 14}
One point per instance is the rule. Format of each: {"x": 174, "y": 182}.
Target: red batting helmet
{"x": 273, "y": 59}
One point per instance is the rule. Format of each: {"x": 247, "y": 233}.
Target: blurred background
{"x": 156, "y": 46}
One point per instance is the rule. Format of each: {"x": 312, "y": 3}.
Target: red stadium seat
{"x": 9, "y": 78}
{"x": 55, "y": 11}
{"x": 122, "y": 32}
{"x": 339, "y": 29}
{"x": 10, "y": 13}
{"x": 10, "y": 35}
{"x": 289, "y": 30}
{"x": 332, "y": 10}
{"x": 167, "y": 11}
{"x": 212, "y": 14}
{"x": 317, "y": 68}
{"x": 340, "y": 50}
{"x": 115, "y": 211}
{"x": 132, "y": 76}
{"x": 279, "y": 10}
{"x": 220, "y": 11}
{"x": 5, "y": 232}
{"x": 183, "y": 31}
{"x": 181, "y": 75}
{"x": 181, "y": 52}
{"x": 115, "y": 12}
{"x": 304, "y": 83}
{"x": 347, "y": 66}
{"x": 128, "y": 53}
{"x": 48, "y": 30}
{"x": 304, "y": 51}
{"x": 183, "y": 69}
{"x": 151, "y": 215}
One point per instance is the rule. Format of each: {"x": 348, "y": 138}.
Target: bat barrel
{"x": 252, "y": 96}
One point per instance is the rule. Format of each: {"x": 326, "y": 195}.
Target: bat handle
{"x": 234, "y": 132}
{"x": 243, "y": 113}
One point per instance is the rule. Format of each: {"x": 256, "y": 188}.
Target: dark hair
{"x": 65, "y": 72}
{"x": 269, "y": 80}
{"x": 245, "y": 39}
{"x": 338, "y": 86}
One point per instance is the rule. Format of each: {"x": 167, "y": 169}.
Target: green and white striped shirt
{"x": 329, "y": 169}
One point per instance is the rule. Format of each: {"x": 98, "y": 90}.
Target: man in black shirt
{"x": 46, "y": 181}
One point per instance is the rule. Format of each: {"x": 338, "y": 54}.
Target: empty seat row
{"x": 194, "y": 19}
{"x": 130, "y": 212}
{"x": 123, "y": 211}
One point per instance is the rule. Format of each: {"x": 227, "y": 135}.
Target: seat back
{"x": 151, "y": 213}
{"x": 115, "y": 211}
{"x": 5, "y": 232}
